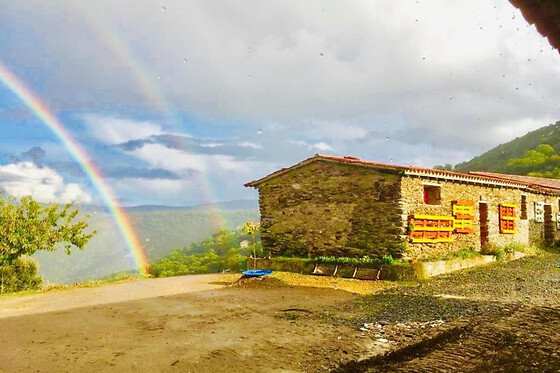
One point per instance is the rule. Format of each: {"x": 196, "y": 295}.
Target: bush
{"x": 364, "y": 261}
{"x": 388, "y": 259}
{"x": 222, "y": 251}
{"x": 501, "y": 252}
{"x": 20, "y": 275}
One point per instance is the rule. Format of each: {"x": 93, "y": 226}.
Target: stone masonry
{"x": 345, "y": 207}
{"x": 327, "y": 208}
{"x": 528, "y": 231}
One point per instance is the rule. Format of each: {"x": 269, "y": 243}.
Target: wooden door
{"x": 548, "y": 225}
{"x": 483, "y": 219}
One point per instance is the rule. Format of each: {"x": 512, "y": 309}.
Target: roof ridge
{"x": 413, "y": 170}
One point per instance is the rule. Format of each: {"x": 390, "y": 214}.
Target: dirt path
{"x": 499, "y": 318}
{"x": 231, "y": 329}
{"x": 84, "y": 297}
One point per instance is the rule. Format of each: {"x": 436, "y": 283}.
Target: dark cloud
{"x": 383, "y": 80}
{"x": 477, "y": 70}
{"x": 134, "y": 144}
{"x": 231, "y": 146}
{"x": 68, "y": 168}
{"x": 141, "y": 173}
{"x": 7, "y": 176}
{"x": 123, "y": 172}
{"x": 36, "y": 155}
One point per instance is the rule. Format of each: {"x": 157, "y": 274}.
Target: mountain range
{"x": 167, "y": 228}
{"x": 496, "y": 159}
{"x": 162, "y": 229}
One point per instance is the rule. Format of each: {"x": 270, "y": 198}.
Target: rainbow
{"x": 41, "y": 110}
{"x": 147, "y": 86}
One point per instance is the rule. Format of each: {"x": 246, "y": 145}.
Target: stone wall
{"x": 328, "y": 208}
{"x": 528, "y": 231}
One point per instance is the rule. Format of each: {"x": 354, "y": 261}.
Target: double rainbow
{"x": 120, "y": 216}
{"x": 149, "y": 88}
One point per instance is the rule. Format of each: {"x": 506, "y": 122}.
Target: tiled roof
{"x": 545, "y": 14}
{"x": 478, "y": 178}
{"x": 531, "y": 180}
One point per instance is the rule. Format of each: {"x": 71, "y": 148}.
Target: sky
{"x": 182, "y": 102}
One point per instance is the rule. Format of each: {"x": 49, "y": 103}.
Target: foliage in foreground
{"x": 27, "y": 227}
{"x": 19, "y": 275}
{"x": 225, "y": 250}
{"x": 502, "y": 252}
{"x": 365, "y": 261}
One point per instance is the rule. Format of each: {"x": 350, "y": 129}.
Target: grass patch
{"x": 365, "y": 262}
{"x": 464, "y": 253}
{"x": 503, "y": 252}
{"x": 54, "y": 287}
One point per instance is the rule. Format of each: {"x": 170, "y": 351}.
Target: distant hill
{"x": 496, "y": 160}
{"x": 240, "y": 204}
{"x": 161, "y": 228}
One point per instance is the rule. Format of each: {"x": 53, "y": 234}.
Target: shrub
{"x": 501, "y": 252}
{"x": 388, "y": 259}
{"x": 364, "y": 261}
{"x": 19, "y": 275}
{"x": 222, "y": 251}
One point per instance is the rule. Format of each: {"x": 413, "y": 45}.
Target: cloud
{"x": 35, "y": 155}
{"x": 211, "y": 145}
{"x": 122, "y": 172}
{"x": 141, "y": 173}
{"x": 427, "y": 82}
{"x": 180, "y": 161}
{"x": 321, "y": 146}
{"x": 43, "y": 184}
{"x": 153, "y": 187}
{"x": 113, "y": 130}
{"x": 318, "y": 61}
{"x": 246, "y": 144}
{"x": 334, "y": 130}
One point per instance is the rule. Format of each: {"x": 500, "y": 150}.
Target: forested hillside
{"x": 498, "y": 159}
{"x": 161, "y": 230}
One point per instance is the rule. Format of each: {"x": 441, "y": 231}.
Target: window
{"x": 432, "y": 194}
{"x": 524, "y": 207}
{"x": 539, "y": 212}
{"x": 507, "y": 218}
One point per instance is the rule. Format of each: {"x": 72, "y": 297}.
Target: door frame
{"x": 548, "y": 225}
{"x": 483, "y": 235}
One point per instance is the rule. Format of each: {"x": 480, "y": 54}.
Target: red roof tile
{"x": 484, "y": 178}
{"x": 545, "y": 14}
{"x": 531, "y": 180}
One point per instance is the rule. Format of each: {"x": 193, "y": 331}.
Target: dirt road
{"x": 276, "y": 329}
{"x": 498, "y": 318}
{"x": 84, "y": 297}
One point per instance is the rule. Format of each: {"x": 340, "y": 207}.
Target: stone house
{"x": 344, "y": 206}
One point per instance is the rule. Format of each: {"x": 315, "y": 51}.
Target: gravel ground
{"x": 531, "y": 280}
{"x": 502, "y": 317}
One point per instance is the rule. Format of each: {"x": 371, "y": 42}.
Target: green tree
{"x": 251, "y": 229}
{"x": 28, "y": 226}
{"x": 446, "y": 167}
{"x": 20, "y": 275}
{"x": 541, "y": 162}
{"x": 222, "y": 251}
